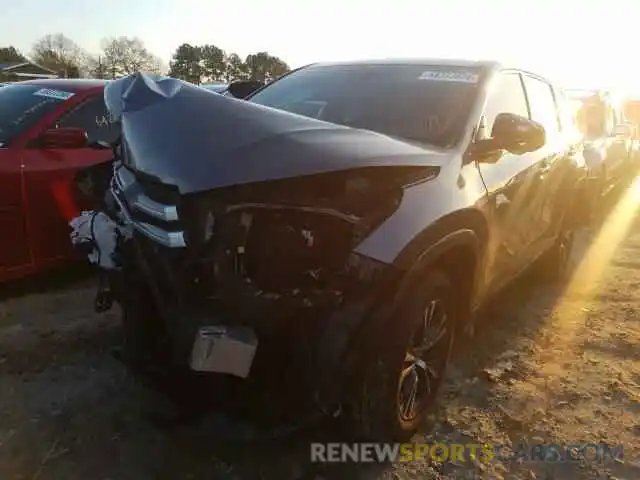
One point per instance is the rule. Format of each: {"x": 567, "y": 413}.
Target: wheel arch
{"x": 455, "y": 243}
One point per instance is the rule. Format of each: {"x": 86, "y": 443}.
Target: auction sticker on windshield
{"x": 450, "y": 76}
{"x": 51, "y": 93}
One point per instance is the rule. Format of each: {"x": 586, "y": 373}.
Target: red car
{"x": 44, "y": 128}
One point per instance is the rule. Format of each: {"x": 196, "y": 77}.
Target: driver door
{"x": 52, "y": 200}
{"x": 512, "y": 185}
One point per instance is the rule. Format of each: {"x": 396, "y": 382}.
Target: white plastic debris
{"x": 101, "y": 233}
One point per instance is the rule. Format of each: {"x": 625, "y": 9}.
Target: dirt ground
{"x": 548, "y": 364}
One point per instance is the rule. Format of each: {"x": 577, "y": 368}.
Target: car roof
{"x": 453, "y": 62}
{"x": 485, "y": 64}
{"x": 70, "y": 84}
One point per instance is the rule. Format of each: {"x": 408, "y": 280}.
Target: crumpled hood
{"x": 197, "y": 140}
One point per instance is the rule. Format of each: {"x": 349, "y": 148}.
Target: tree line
{"x": 121, "y": 56}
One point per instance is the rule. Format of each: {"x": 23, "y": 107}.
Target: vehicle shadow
{"x": 56, "y": 279}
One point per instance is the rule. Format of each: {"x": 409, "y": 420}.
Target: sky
{"x": 579, "y": 43}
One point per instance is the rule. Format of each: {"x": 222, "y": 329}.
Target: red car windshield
{"x": 22, "y": 106}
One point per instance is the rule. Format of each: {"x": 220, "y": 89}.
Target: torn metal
{"x": 98, "y": 235}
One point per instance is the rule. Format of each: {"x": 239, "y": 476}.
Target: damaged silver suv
{"x": 314, "y": 249}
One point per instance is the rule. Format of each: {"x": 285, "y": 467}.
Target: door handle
{"x": 502, "y": 199}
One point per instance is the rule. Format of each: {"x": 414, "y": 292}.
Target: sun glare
{"x": 591, "y": 271}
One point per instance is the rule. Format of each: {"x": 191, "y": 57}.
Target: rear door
{"x": 551, "y": 160}
{"x": 511, "y": 182}
{"x": 49, "y": 173}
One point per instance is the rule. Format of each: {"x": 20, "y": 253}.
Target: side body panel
{"x": 513, "y": 185}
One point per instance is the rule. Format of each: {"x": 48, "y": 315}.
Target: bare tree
{"x": 127, "y": 55}
{"x": 59, "y": 53}
{"x": 157, "y": 66}
{"x": 96, "y": 68}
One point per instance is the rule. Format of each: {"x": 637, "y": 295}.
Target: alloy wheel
{"x": 425, "y": 361}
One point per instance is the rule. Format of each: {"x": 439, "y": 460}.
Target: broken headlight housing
{"x": 292, "y": 241}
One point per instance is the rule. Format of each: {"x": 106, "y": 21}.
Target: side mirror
{"x": 243, "y": 88}
{"x": 513, "y": 133}
{"x": 64, "y": 138}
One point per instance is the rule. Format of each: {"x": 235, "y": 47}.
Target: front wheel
{"x": 400, "y": 383}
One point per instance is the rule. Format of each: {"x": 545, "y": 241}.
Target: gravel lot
{"x": 548, "y": 364}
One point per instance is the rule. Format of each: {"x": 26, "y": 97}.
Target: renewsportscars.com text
{"x": 460, "y": 453}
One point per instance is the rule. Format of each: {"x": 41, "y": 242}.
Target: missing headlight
{"x": 289, "y": 245}
{"x": 286, "y": 250}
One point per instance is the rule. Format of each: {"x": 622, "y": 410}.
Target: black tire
{"x": 142, "y": 335}
{"x": 553, "y": 266}
{"x": 375, "y": 411}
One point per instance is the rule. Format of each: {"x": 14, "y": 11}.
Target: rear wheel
{"x": 141, "y": 329}
{"x": 400, "y": 383}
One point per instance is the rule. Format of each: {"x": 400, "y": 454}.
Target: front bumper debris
{"x": 240, "y": 345}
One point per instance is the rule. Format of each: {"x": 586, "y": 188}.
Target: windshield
{"x": 22, "y": 106}
{"x": 417, "y": 103}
